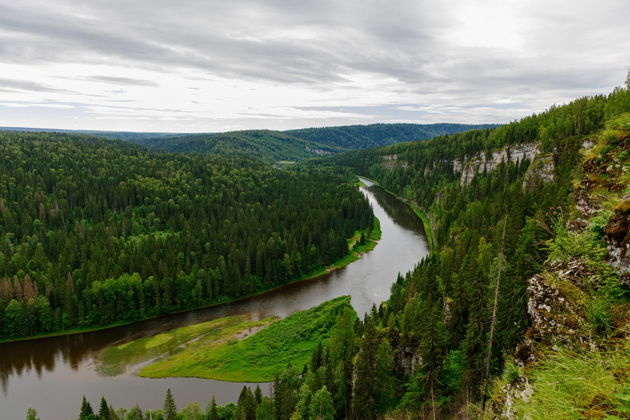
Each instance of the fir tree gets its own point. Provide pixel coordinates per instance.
(170, 409)
(86, 410)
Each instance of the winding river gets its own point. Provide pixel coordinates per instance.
(52, 374)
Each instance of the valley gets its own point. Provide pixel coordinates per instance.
(64, 365)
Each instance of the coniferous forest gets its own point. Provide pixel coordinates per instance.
(95, 232)
(450, 328)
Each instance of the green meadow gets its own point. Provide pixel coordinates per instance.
(257, 357)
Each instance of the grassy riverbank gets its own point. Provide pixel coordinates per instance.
(258, 357)
(116, 360)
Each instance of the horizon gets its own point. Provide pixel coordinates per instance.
(212, 67)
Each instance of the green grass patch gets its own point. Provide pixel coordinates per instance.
(259, 357)
(574, 385)
(117, 359)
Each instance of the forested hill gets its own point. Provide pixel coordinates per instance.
(517, 248)
(354, 137)
(96, 231)
(271, 146)
(276, 146)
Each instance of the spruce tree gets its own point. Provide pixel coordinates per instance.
(170, 409)
(211, 411)
(86, 410)
(103, 412)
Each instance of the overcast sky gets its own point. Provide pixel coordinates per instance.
(193, 66)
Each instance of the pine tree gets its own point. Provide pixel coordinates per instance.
(86, 410)
(211, 410)
(103, 412)
(364, 392)
(170, 409)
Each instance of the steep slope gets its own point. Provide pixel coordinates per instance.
(353, 137)
(491, 197)
(575, 357)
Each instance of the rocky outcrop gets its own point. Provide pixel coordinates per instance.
(617, 235)
(481, 162)
(392, 161)
(541, 170)
(319, 152)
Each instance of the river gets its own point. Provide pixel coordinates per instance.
(52, 374)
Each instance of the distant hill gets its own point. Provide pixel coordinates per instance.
(353, 137)
(275, 146)
(268, 145)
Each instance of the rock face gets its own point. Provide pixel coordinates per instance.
(483, 163)
(391, 161)
(617, 234)
(541, 170)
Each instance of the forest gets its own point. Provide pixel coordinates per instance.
(96, 232)
(450, 326)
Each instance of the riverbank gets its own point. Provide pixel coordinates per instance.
(422, 214)
(116, 360)
(372, 236)
(239, 354)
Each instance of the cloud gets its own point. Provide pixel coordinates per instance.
(277, 62)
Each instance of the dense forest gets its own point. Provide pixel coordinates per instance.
(354, 137)
(95, 231)
(450, 326)
(271, 146)
(278, 146)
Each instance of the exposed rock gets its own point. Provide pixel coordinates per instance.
(520, 389)
(541, 170)
(391, 161)
(617, 234)
(469, 167)
(410, 360)
(319, 152)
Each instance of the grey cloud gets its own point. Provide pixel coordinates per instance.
(123, 80)
(321, 44)
(12, 85)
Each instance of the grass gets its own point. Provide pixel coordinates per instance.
(116, 360)
(572, 385)
(259, 357)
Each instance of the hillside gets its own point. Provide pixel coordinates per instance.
(522, 308)
(271, 146)
(278, 146)
(95, 232)
(354, 137)
(498, 201)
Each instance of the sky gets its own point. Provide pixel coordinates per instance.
(208, 66)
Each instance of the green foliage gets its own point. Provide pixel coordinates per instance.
(86, 412)
(170, 409)
(375, 135)
(572, 385)
(210, 334)
(598, 314)
(96, 232)
(258, 357)
(321, 406)
(271, 146)
(31, 414)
